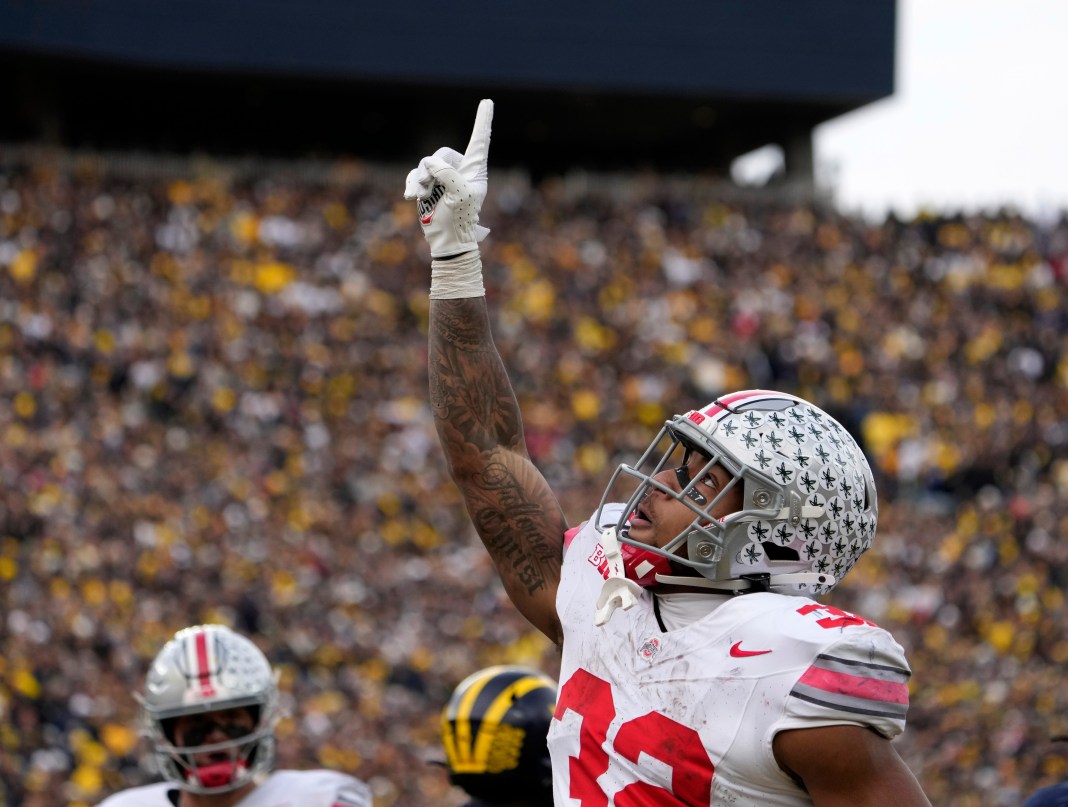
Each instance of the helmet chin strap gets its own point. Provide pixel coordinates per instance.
(741, 585)
(616, 591)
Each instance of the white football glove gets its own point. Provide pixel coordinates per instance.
(451, 187)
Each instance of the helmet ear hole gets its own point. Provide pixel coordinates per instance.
(776, 552)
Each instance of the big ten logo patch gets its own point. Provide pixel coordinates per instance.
(597, 558)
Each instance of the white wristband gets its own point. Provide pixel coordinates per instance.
(457, 278)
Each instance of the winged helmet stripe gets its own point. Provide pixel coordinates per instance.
(205, 663)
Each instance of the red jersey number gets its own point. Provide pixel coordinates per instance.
(837, 619)
(691, 769)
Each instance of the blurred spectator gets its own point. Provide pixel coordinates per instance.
(183, 440)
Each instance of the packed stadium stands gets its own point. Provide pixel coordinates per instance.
(213, 407)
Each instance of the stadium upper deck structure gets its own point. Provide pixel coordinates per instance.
(602, 84)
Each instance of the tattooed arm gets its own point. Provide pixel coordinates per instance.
(475, 410)
(515, 513)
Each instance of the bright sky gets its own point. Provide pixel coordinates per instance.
(979, 117)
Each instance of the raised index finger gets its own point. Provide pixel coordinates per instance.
(477, 154)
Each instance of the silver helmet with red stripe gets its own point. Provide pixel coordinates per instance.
(208, 673)
(808, 505)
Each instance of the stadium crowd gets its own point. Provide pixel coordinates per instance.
(213, 408)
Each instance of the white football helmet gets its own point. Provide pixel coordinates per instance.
(808, 510)
(208, 668)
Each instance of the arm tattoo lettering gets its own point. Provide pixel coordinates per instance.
(515, 528)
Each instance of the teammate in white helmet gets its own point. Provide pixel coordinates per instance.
(209, 708)
(698, 667)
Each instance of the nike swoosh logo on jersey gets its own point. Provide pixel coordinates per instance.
(737, 652)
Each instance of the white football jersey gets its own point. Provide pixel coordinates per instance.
(688, 716)
(316, 788)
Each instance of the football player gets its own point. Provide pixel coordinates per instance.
(493, 730)
(1052, 795)
(209, 709)
(698, 666)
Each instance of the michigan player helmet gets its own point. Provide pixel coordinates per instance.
(209, 668)
(808, 509)
(494, 731)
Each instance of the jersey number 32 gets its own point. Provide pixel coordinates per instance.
(691, 769)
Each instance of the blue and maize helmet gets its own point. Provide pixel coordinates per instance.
(493, 730)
